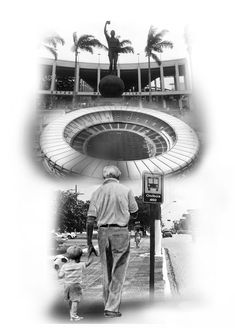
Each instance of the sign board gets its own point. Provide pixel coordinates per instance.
(152, 187)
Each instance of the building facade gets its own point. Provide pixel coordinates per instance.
(170, 81)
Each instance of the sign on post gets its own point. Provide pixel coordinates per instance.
(152, 187)
(153, 194)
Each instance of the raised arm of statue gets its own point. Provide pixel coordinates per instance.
(105, 30)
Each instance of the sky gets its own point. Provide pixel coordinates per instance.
(129, 20)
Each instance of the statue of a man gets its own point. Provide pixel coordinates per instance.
(113, 45)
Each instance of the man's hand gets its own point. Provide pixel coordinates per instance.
(133, 216)
(108, 22)
(91, 250)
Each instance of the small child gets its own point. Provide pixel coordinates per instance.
(137, 238)
(72, 274)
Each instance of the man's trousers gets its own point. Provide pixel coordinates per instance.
(114, 247)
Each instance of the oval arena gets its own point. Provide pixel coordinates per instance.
(135, 139)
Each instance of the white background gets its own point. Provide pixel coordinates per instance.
(28, 196)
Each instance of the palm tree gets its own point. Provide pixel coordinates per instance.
(50, 43)
(188, 42)
(155, 44)
(86, 43)
(124, 46)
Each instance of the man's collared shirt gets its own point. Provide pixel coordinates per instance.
(112, 203)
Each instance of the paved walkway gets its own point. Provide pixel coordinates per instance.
(135, 291)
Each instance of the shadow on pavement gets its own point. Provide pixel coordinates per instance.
(93, 311)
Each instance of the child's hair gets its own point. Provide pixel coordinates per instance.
(74, 252)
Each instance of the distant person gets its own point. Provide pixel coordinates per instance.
(72, 274)
(113, 46)
(137, 238)
(111, 205)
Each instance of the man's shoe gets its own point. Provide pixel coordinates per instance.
(75, 318)
(112, 314)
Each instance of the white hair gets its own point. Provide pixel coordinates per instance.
(111, 171)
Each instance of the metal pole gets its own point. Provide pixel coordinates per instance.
(155, 214)
(152, 250)
(98, 73)
(158, 233)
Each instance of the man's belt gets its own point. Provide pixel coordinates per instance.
(112, 225)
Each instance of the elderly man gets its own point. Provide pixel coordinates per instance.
(111, 206)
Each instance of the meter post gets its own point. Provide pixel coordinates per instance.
(155, 214)
(152, 249)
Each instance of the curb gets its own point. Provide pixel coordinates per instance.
(167, 286)
(170, 273)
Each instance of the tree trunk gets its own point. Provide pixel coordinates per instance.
(75, 80)
(53, 82)
(53, 76)
(149, 75)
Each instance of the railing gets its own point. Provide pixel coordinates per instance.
(132, 93)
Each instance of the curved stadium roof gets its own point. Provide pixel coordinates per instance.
(135, 139)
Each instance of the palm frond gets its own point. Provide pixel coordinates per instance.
(52, 50)
(151, 40)
(87, 48)
(96, 43)
(54, 40)
(155, 57)
(50, 41)
(147, 50)
(155, 42)
(167, 43)
(59, 40)
(86, 42)
(84, 39)
(152, 31)
(157, 48)
(126, 49)
(162, 33)
(161, 45)
(75, 38)
(124, 42)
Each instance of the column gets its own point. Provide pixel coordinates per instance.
(155, 85)
(162, 78)
(163, 102)
(180, 103)
(53, 76)
(177, 81)
(98, 78)
(190, 102)
(175, 84)
(118, 71)
(139, 79)
(78, 79)
(186, 77)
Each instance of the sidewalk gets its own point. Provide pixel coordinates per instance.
(135, 290)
